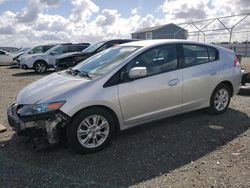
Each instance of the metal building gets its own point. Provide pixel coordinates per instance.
(168, 31)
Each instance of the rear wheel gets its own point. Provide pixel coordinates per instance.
(40, 67)
(220, 99)
(91, 130)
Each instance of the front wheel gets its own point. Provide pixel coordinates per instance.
(91, 130)
(40, 67)
(220, 99)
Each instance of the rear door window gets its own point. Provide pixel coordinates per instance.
(195, 54)
(60, 50)
(213, 55)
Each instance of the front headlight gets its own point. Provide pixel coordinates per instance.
(33, 109)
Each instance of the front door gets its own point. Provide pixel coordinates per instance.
(157, 95)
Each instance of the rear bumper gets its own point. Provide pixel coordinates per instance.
(245, 77)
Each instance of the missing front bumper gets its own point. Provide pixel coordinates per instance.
(47, 125)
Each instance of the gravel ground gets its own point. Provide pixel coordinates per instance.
(190, 150)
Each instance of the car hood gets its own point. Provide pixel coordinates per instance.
(48, 87)
(27, 56)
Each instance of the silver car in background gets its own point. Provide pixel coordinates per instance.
(125, 86)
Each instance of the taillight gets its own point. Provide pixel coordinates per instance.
(236, 61)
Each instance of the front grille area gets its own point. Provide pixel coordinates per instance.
(18, 107)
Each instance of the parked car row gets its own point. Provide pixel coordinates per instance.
(56, 56)
(70, 60)
(122, 87)
(31, 51)
(41, 62)
(39, 58)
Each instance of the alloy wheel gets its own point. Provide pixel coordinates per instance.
(221, 99)
(40, 67)
(93, 131)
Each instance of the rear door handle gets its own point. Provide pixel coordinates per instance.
(173, 82)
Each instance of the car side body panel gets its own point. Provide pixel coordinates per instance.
(153, 97)
(144, 100)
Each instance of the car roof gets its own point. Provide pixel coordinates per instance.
(122, 40)
(4, 51)
(148, 43)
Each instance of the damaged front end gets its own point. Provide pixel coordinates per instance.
(41, 122)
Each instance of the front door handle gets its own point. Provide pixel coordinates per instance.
(173, 82)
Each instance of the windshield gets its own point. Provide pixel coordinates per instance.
(105, 61)
(93, 47)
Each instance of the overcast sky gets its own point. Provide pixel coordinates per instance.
(33, 22)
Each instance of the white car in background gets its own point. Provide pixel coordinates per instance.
(41, 62)
(6, 58)
(30, 52)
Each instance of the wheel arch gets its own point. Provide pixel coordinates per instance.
(229, 85)
(108, 109)
(39, 60)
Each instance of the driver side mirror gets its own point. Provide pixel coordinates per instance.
(137, 72)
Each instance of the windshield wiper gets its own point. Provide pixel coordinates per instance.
(84, 74)
(75, 72)
(69, 70)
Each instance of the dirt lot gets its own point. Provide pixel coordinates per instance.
(190, 150)
(245, 63)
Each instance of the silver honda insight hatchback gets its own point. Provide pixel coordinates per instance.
(125, 86)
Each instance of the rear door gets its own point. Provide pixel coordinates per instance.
(200, 74)
(157, 95)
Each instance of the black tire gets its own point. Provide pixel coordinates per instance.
(212, 108)
(72, 130)
(40, 67)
